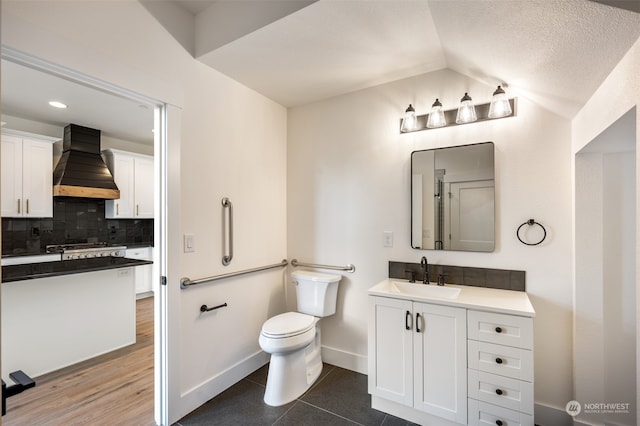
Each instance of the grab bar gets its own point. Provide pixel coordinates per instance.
(187, 282)
(226, 204)
(349, 268)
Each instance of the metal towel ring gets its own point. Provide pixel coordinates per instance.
(531, 222)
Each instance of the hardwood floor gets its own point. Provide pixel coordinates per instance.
(114, 388)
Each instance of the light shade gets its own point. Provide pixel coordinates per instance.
(499, 104)
(466, 110)
(409, 120)
(436, 116)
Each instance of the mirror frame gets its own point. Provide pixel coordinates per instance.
(483, 243)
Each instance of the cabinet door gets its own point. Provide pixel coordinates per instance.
(143, 274)
(11, 176)
(122, 168)
(37, 178)
(390, 349)
(143, 188)
(440, 361)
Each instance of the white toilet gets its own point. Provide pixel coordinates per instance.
(293, 338)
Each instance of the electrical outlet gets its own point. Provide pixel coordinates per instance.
(189, 243)
(387, 239)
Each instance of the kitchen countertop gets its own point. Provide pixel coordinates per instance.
(480, 298)
(51, 269)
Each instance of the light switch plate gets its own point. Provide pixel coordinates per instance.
(189, 243)
(387, 238)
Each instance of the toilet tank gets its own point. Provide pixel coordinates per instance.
(316, 292)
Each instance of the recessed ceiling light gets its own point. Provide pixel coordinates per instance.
(57, 104)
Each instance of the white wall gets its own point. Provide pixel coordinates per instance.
(618, 97)
(349, 176)
(225, 140)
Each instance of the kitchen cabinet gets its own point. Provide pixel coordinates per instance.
(133, 174)
(418, 357)
(51, 323)
(27, 175)
(144, 273)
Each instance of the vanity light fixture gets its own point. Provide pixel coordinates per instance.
(466, 113)
(57, 104)
(409, 120)
(499, 104)
(466, 110)
(436, 116)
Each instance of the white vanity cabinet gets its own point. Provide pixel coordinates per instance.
(27, 175)
(417, 356)
(500, 376)
(445, 357)
(133, 174)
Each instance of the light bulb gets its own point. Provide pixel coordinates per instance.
(436, 116)
(466, 111)
(409, 120)
(500, 106)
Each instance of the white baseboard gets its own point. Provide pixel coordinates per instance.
(344, 359)
(195, 397)
(552, 416)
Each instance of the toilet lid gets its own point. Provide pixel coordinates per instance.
(287, 324)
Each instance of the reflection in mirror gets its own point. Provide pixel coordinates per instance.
(453, 198)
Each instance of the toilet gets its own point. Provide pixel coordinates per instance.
(293, 338)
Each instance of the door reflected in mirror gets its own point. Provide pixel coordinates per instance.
(453, 198)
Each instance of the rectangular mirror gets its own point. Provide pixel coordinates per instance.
(453, 198)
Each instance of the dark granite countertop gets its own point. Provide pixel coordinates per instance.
(52, 269)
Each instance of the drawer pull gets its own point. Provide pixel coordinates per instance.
(499, 361)
(499, 391)
(406, 320)
(499, 422)
(418, 323)
(498, 329)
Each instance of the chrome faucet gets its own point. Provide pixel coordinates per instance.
(424, 264)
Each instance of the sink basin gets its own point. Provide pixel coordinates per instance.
(423, 290)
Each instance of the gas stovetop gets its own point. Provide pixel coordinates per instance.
(86, 250)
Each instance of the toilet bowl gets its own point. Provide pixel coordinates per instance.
(293, 338)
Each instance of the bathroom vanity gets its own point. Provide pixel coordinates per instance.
(451, 354)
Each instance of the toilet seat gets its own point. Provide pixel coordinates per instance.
(287, 325)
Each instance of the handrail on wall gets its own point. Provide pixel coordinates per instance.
(349, 268)
(226, 204)
(187, 282)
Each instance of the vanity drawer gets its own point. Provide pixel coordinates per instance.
(502, 329)
(481, 413)
(502, 391)
(499, 359)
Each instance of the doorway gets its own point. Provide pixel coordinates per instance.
(605, 273)
(157, 112)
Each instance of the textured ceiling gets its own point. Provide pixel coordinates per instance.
(554, 52)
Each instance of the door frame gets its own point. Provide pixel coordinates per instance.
(164, 113)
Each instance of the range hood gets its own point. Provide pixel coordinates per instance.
(81, 171)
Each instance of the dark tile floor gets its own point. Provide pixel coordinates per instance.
(339, 397)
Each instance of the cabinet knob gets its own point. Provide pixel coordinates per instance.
(499, 422)
(498, 329)
(499, 361)
(499, 391)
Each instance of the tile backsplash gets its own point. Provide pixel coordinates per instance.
(505, 279)
(75, 220)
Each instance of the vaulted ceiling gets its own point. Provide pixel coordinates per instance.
(554, 52)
